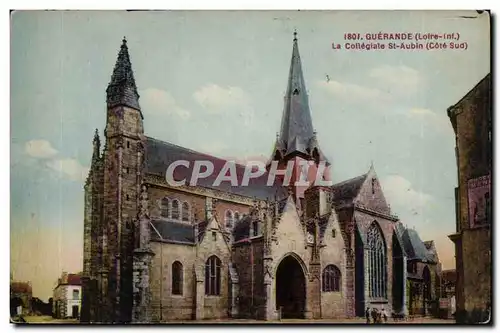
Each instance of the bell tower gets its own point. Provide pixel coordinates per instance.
(123, 156)
(296, 143)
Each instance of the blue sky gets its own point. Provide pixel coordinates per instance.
(214, 81)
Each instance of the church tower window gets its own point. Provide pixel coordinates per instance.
(177, 278)
(165, 208)
(175, 209)
(185, 212)
(212, 276)
(377, 262)
(331, 278)
(229, 219)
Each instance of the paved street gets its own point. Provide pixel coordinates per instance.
(320, 321)
(50, 320)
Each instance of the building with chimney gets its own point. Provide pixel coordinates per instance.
(67, 296)
(471, 118)
(154, 252)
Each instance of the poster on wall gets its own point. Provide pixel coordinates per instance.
(479, 201)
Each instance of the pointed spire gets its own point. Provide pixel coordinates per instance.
(296, 123)
(122, 89)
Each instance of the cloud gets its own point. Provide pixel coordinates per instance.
(352, 92)
(401, 193)
(160, 102)
(69, 168)
(217, 99)
(388, 84)
(397, 79)
(438, 120)
(40, 149)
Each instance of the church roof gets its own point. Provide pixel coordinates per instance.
(160, 154)
(296, 124)
(172, 231)
(414, 248)
(122, 90)
(345, 192)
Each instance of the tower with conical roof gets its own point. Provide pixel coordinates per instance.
(297, 140)
(123, 156)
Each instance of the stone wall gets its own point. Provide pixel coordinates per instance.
(472, 122)
(164, 305)
(333, 304)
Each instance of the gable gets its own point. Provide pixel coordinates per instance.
(290, 230)
(215, 240)
(371, 195)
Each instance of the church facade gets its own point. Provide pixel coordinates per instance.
(157, 253)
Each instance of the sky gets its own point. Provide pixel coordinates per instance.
(215, 82)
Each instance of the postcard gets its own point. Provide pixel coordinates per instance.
(251, 167)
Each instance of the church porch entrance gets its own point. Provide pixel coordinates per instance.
(290, 288)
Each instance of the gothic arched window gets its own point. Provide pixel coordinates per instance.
(175, 209)
(229, 219)
(212, 276)
(331, 278)
(185, 212)
(165, 208)
(377, 262)
(177, 278)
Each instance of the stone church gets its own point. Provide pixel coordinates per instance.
(158, 253)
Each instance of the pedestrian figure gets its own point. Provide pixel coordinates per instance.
(384, 315)
(367, 314)
(374, 315)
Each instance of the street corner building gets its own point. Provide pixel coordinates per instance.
(157, 253)
(471, 118)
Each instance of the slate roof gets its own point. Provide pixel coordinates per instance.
(122, 89)
(172, 231)
(414, 247)
(345, 192)
(160, 154)
(296, 123)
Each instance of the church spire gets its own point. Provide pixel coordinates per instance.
(122, 89)
(296, 123)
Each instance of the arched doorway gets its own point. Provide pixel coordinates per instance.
(290, 288)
